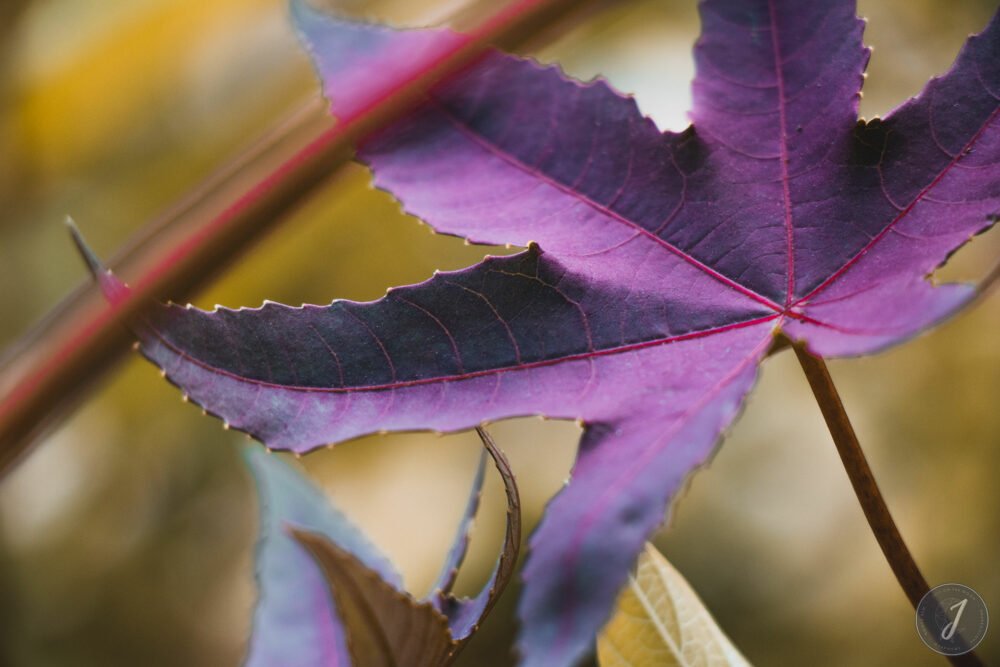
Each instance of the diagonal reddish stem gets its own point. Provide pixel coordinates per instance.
(75, 345)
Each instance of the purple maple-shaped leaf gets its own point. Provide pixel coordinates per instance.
(665, 264)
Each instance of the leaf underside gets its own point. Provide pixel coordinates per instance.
(664, 265)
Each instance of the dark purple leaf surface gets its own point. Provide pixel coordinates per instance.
(665, 264)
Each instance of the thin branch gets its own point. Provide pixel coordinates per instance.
(54, 367)
(865, 488)
(860, 474)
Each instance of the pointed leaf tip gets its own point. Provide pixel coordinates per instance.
(113, 289)
(94, 263)
(464, 614)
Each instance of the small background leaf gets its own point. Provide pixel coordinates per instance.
(381, 624)
(384, 627)
(294, 621)
(659, 620)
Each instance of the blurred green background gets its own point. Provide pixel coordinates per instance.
(126, 536)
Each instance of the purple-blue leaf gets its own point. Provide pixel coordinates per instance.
(665, 264)
(311, 561)
(295, 621)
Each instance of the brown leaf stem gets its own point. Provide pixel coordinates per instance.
(58, 360)
(872, 503)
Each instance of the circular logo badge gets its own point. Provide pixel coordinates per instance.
(952, 619)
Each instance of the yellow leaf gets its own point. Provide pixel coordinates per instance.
(660, 621)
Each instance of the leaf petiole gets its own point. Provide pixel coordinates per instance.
(865, 487)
